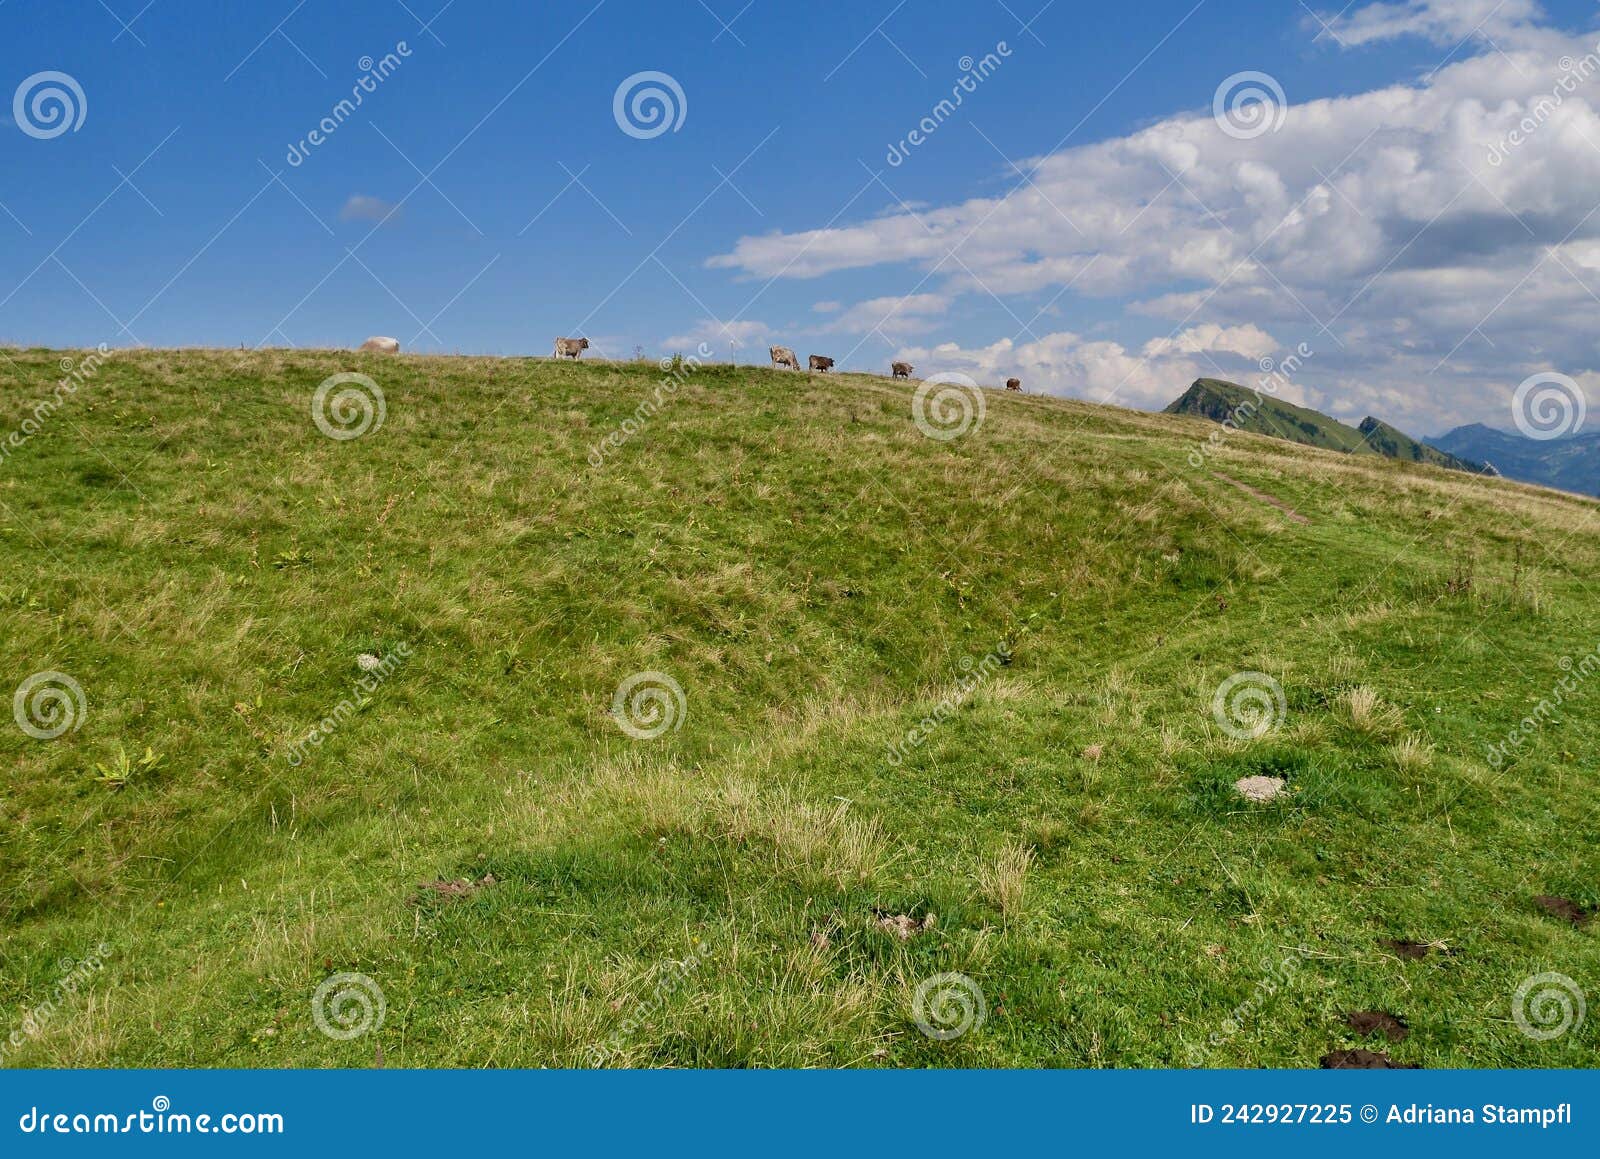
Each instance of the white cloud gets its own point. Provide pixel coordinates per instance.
(1435, 242)
(1447, 22)
(1065, 363)
(718, 334)
(1247, 341)
(361, 207)
(829, 307)
(891, 316)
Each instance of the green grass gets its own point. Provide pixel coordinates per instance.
(819, 578)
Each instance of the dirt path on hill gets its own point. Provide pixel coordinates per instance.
(1265, 498)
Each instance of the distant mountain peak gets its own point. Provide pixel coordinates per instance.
(1249, 410)
(1571, 463)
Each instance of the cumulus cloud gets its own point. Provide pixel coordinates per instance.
(1248, 341)
(1447, 22)
(1434, 241)
(891, 316)
(717, 334)
(1102, 370)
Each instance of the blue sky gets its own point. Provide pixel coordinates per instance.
(1036, 231)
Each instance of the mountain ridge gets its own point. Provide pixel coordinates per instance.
(1570, 463)
(1245, 409)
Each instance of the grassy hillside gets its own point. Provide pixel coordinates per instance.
(1396, 444)
(966, 684)
(1246, 410)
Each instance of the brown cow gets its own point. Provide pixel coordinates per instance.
(571, 347)
(783, 356)
(1013, 384)
(902, 369)
(822, 363)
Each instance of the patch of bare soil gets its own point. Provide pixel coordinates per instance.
(1565, 909)
(1363, 1060)
(1411, 951)
(443, 890)
(1368, 1022)
(1271, 500)
(1261, 788)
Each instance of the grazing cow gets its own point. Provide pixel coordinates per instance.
(822, 363)
(381, 346)
(571, 347)
(1013, 384)
(902, 369)
(783, 356)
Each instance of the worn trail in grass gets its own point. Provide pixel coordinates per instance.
(1058, 590)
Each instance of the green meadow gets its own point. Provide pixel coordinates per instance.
(894, 707)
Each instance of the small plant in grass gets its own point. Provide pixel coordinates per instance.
(1412, 754)
(1004, 881)
(122, 769)
(1367, 712)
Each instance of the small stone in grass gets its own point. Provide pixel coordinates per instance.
(367, 662)
(1260, 788)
